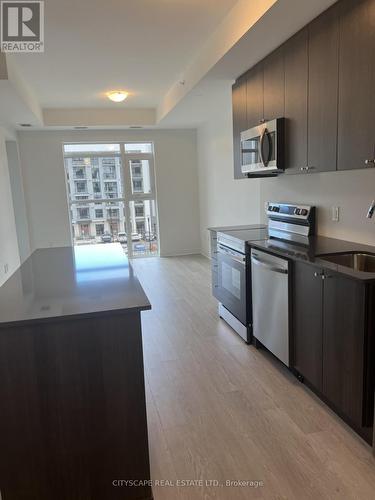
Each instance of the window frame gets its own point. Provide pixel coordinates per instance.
(125, 178)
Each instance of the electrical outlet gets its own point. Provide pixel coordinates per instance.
(335, 214)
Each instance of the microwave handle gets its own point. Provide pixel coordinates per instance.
(261, 145)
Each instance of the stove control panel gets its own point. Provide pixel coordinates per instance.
(290, 218)
(289, 211)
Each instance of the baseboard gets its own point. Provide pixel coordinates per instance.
(181, 254)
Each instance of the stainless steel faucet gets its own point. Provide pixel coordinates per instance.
(371, 210)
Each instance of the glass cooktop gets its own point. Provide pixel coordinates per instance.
(256, 234)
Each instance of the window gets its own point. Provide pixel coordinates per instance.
(137, 186)
(80, 186)
(140, 227)
(136, 171)
(145, 225)
(109, 171)
(84, 230)
(83, 213)
(141, 176)
(139, 210)
(111, 189)
(113, 213)
(79, 172)
(99, 228)
(144, 147)
(90, 148)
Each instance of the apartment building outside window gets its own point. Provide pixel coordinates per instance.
(83, 213)
(80, 186)
(79, 172)
(111, 193)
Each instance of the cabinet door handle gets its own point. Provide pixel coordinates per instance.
(318, 275)
(371, 163)
(306, 169)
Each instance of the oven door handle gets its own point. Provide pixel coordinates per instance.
(261, 263)
(239, 259)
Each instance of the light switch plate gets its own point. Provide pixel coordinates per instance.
(335, 214)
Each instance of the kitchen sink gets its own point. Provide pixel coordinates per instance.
(359, 261)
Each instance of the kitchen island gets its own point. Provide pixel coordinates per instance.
(73, 413)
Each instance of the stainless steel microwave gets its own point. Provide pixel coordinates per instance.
(262, 148)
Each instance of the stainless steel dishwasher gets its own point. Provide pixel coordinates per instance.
(270, 294)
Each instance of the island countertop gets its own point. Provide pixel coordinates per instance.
(69, 282)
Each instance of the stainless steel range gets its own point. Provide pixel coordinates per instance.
(233, 291)
(286, 222)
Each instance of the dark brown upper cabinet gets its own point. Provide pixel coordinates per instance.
(322, 81)
(296, 76)
(273, 85)
(254, 96)
(322, 92)
(239, 122)
(356, 137)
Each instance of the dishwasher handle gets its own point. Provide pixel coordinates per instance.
(266, 265)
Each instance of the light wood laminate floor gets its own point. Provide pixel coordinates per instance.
(221, 410)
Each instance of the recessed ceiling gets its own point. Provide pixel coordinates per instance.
(94, 46)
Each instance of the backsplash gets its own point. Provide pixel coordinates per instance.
(352, 191)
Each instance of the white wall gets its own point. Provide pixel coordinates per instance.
(223, 200)
(9, 255)
(176, 182)
(19, 206)
(352, 191)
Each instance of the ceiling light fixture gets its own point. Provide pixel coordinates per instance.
(117, 95)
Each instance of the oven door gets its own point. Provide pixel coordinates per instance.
(261, 148)
(231, 285)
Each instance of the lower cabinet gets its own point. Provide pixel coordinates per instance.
(332, 334)
(307, 318)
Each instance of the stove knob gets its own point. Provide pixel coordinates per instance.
(304, 211)
(297, 211)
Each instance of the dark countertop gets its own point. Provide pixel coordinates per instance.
(68, 282)
(318, 245)
(236, 228)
